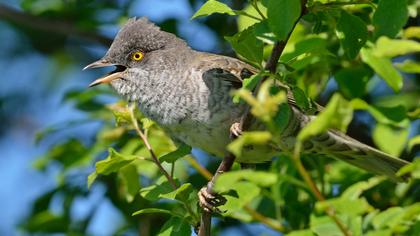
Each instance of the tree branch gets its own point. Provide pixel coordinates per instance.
(50, 25)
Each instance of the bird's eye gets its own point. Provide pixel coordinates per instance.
(137, 56)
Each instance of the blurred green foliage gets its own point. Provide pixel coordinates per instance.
(347, 42)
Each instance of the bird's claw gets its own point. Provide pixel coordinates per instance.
(236, 129)
(210, 201)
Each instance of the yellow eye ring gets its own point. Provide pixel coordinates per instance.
(137, 56)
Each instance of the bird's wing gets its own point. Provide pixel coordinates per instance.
(234, 71)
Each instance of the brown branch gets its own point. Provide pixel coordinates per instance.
(225, 165)
(49, 25)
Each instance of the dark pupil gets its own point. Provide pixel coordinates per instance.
(137, 56)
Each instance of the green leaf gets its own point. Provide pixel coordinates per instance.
(151, 211)
(336, 115)
(412, 32)
(248, 138)
(352, 81)
(356, 190)
(301, 99)
(155, 191)
(171, 157)
(352, 33)
(282, 16)
(251, 82)
(114, 162)
(312, 45)
(305, 232)
(246, 44)
(244, 193)
(390, 17)
(47, 221)
(121, 113)
(213, 6)
(386, 47)
(175, 226)
(413, 168)
(181, 194)
(384, 68)
(246, 21)
(129, 181)
(409, 66)
(387, 217)
(324, 226)
(228, 180)
(413, 142)
(390, 139)
(351, 207)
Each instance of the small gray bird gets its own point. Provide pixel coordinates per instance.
(187, 93)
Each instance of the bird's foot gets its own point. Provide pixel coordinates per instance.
(210, 201)
(236, 129)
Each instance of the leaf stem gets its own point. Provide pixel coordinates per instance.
(247, 14)
(255, 5)
(143, 137)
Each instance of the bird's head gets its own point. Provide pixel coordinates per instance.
(131, 52)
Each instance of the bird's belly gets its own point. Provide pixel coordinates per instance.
(213, 136)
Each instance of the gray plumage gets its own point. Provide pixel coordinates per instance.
(188, 94)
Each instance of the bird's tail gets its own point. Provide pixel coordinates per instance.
(343, 147)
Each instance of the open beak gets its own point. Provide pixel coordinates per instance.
(115, 74)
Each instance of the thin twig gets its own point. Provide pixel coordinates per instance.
(50, 25)
(314, 189)
(149, 147)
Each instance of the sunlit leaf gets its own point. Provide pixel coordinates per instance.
(336, 115)
(384, 68)
(246, 44)
(412, 32)
(246, 21)
(390, 139)
(154, 191)
(248, 138)
(171, 157)
(413, 142)
(114, 162)
(211, 7)
(175, 226)
(181, 194)
(129, 181)
(409, 66)
(228, 180)
(152, 211)
(386, 47)
(244, 193)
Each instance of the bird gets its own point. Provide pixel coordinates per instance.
(188, 94)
